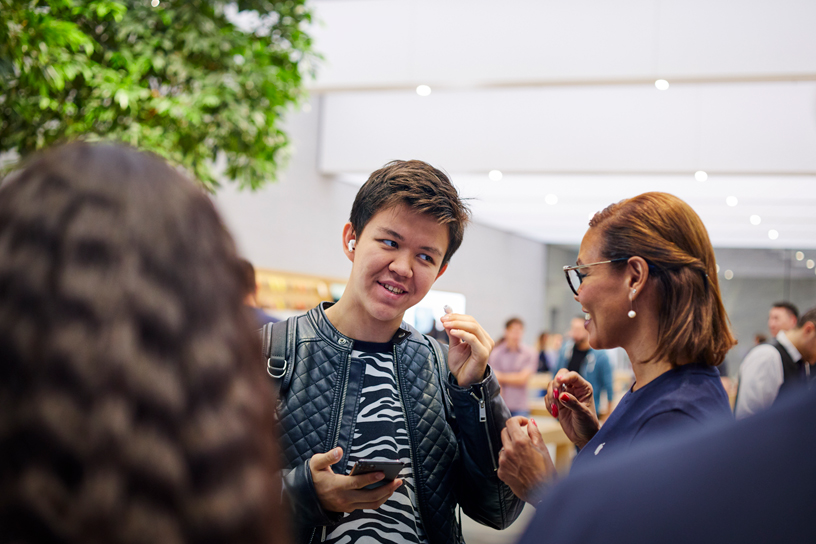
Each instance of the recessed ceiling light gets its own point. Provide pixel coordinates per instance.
(799, 255)
(773, 234)
(755, 220)
(154, 3)
(699, 175)
(551, 199)
(732, 201)
(661, 84)
(423, 90)
(810, 263)
(494, 175)
(729, 274)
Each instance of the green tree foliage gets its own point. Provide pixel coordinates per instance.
(172, 76)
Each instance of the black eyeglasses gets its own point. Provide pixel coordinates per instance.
(574, 277)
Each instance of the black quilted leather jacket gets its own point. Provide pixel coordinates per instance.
(454, 432)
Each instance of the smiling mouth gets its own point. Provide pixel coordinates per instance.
(392, 289)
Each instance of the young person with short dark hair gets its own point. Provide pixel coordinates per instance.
(782, 316)
(357, 383)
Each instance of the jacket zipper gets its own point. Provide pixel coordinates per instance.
(483, 419)
(337, 431)
(414, 466)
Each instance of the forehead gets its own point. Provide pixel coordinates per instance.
(590, 251)
(410, 223)
(780, 312)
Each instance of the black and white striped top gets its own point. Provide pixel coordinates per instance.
(380, 434)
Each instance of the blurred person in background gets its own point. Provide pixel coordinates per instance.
(133, 409)
(593, 365)
(514, 363)
(782, 316)
(646, 279)
(547, 346)
(251, 295)
(771, 370)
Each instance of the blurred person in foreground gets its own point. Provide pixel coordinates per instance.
(749, 482)
(593, 365)
(251, 295)
(514, 363)
(646, 279)
(357, 382)
(132, 407)
(783, 316)
(771, 370)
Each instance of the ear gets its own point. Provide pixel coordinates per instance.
(441, 271)
(348, 234)
(637, 274)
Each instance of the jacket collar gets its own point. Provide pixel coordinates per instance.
(329, 332)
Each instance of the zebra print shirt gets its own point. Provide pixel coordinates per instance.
(380, 434)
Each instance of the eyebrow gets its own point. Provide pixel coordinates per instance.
(398, 236)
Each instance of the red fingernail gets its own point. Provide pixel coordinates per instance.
(554, 410)
(534, 422)
(564, 397)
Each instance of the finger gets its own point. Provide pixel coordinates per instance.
(322, 461)
(361, 480)
(469, 324)
(535, 434)
(477, 348)
(570, 379)
(570, 402)
(505, 438)
(514, 429)
(371, 499)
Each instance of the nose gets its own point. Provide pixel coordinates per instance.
(401, 265)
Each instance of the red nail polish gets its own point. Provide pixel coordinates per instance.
(534, 422)
(564, 397)
(554, 410)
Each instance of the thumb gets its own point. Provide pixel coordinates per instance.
(535, 434)
(322, 461)
(572, 403)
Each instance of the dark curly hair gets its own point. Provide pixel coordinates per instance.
(133, 407)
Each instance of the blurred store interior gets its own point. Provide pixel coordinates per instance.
(544, 113)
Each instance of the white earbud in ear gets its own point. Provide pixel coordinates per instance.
(351, 244)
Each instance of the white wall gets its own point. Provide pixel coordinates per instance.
(295, 225)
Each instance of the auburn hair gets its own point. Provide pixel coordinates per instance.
(134, 405)
(662, 229)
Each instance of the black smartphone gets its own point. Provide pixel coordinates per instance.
(390, 468)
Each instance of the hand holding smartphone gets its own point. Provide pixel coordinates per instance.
(391, 469)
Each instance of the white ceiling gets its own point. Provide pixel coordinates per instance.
(560, 97)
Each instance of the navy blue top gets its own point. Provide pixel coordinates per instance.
(686, 396)
(752, 480)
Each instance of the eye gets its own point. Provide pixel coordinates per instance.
(390, 243)
(580, 275)
(427, 258)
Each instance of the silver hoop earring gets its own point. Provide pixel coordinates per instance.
(632, 314)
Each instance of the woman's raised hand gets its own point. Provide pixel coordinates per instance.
(569, 398)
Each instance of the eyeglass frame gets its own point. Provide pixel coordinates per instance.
(568, 269)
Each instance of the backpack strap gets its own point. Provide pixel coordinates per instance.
(441, 362)
(278, 343)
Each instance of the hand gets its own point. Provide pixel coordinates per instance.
(524, 461)
(339, 493)
(574, 407)
(469, 348)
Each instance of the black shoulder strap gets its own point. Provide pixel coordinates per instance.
(790, 370)
(278, 340)
(442, 376)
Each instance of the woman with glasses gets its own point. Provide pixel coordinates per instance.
(646, 280)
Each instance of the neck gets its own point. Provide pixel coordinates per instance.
(583, 345)
(640, 348)
(512, 346)
(356, 323)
